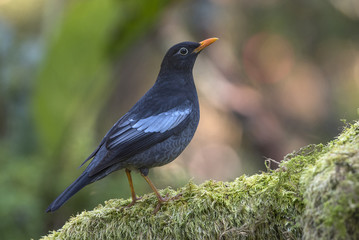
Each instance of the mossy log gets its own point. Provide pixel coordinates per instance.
(314, 194)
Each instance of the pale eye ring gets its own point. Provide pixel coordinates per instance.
(183, 51)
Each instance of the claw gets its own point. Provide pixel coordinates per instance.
(162, 200)
(157, 208)
(133, 202)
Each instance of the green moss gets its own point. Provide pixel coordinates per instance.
(332, 190)
(314, 194)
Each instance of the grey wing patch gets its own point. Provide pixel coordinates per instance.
(162, 122)
(132, 131)
(129, 136)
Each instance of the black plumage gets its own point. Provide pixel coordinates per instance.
(154, 131)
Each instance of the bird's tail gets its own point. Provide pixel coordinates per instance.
(76, 186)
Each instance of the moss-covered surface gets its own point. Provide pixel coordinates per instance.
(313, 195)
(331, 190)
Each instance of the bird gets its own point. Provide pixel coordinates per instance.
(154, 131)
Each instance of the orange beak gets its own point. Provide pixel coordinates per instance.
(204, 44)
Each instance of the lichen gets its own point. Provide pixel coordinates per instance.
(312, 195)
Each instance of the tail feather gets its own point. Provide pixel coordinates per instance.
(76, 186)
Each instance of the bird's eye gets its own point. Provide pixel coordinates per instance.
(183, 51)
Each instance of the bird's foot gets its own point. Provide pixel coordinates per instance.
(162, 200)
(132, 202)
(178, 196)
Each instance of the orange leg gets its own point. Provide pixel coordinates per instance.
(133, 194)
(161, 199)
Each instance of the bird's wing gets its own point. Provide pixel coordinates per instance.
(130, 136)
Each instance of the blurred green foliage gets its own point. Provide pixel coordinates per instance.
(75, 72)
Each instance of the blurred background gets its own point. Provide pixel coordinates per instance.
(282, 75)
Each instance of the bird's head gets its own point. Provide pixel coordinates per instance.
(182, 56)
